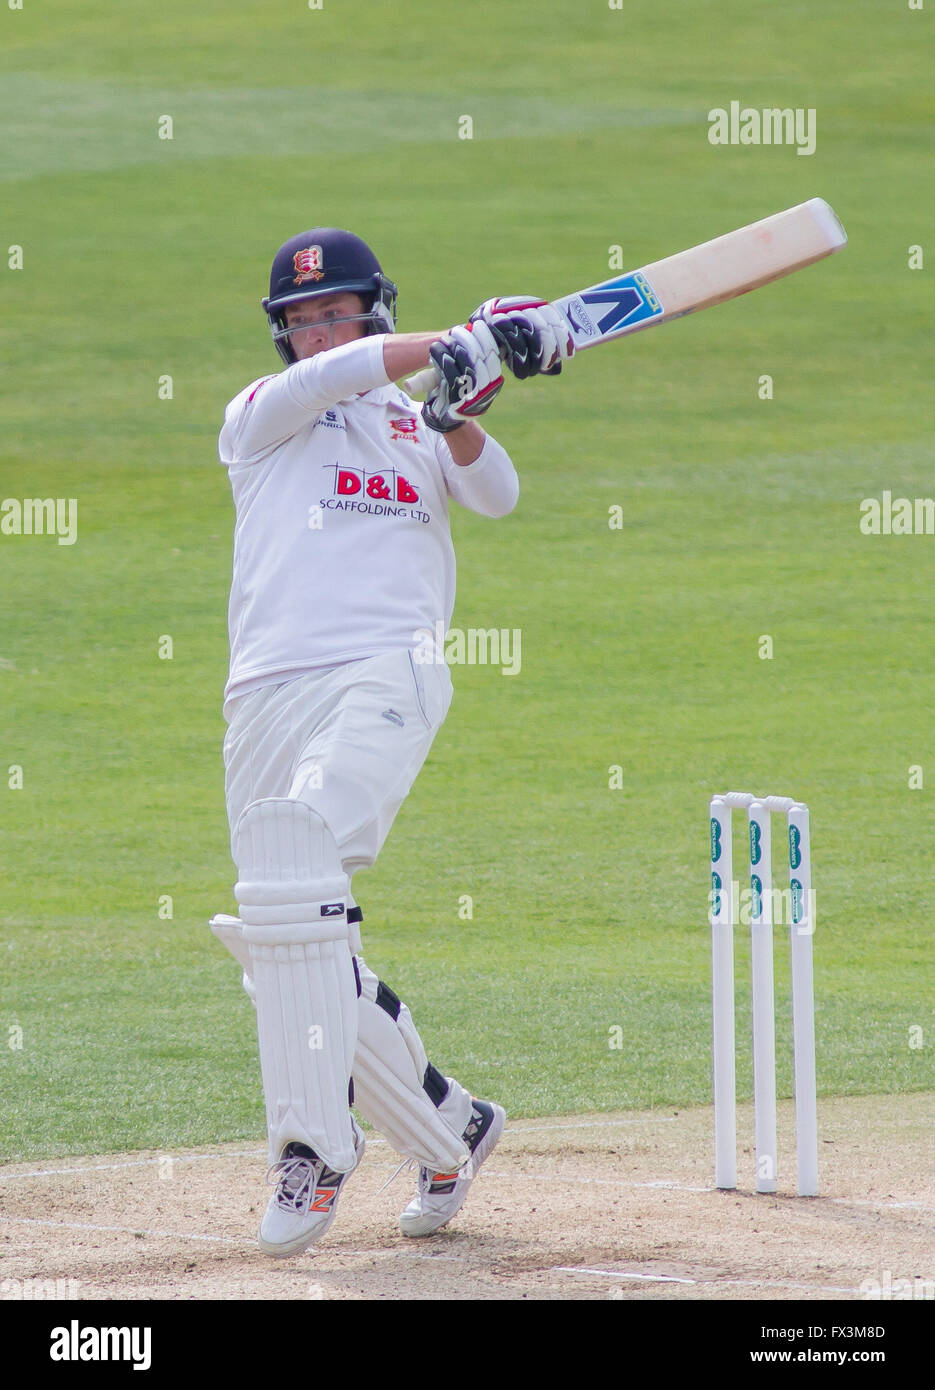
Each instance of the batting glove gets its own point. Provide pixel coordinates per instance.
(468, 361)
(531, 334)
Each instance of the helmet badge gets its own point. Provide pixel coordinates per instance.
(308, 263)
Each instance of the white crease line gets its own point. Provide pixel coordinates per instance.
(597, 1182)
(249, 1246)
(374, 1142)
(660, 1183)
(613, 1274)
(120, 1230)
(590, 1124)
(131, 1163)
(707, 1283)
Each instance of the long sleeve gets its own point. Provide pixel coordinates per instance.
(489, 485)
(342, 541)
(272, 410)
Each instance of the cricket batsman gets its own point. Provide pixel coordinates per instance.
(343, 562)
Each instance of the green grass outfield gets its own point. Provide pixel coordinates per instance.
(145, 257)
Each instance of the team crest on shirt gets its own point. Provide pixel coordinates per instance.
(308, 265)
(405, 428)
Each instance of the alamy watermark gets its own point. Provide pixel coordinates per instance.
(40, 516)
(476, 646)
(77, 1343)
(39, 1290)
(886, 1288)
(745, 125)
(899, 516)
(783, 906)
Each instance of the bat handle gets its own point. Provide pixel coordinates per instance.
(422, 383)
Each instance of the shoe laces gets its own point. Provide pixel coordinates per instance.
(427, 1175)
(296, 1181)
(407, 1164)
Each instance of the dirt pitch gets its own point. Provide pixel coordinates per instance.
(589, 1207)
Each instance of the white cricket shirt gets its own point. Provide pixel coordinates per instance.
(342, 545)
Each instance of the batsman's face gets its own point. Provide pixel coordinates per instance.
(322, 323)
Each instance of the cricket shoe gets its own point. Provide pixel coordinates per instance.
(441, 1195)
(305, 1202)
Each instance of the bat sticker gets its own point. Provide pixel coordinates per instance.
(625, 301)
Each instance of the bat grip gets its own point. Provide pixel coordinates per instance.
(422, 383)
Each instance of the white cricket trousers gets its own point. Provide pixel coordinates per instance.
(349, 741)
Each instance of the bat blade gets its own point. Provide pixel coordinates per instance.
(698, 278)
(705, 275)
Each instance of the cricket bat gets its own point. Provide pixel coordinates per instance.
(705, 275)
